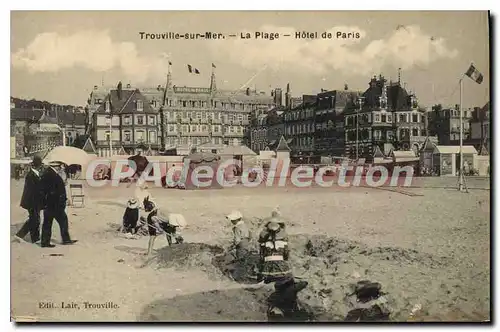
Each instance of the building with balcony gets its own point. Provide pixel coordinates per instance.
(329, 121)
(190, 116)
(445, 124)
(299, 126)
(124, 120)
(266, 129)
(385, 115)
(480, 135)
(194, 115)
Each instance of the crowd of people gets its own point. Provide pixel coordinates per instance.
(45, 190)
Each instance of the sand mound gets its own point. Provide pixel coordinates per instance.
(216, 305)
(331, 266)
(188, 256)
(408, 277)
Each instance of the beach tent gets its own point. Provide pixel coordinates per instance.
(242, 153)
(197, 160)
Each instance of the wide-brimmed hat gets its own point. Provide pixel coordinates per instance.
(132, 203)
(55, 163)
(234, 215)
(273, 226)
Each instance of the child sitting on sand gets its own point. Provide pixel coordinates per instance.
(131, 217)
(158, 223)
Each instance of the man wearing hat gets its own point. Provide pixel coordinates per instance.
(54, 190)
(274, 252)
(32, 201)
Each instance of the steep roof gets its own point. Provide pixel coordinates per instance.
(483, 150)
(89, 146)
(242, 150)
(25, 114)
(377, 153)
(428, 144)
(122, 151)
(397, 97)
(125, 102)
(282, 145)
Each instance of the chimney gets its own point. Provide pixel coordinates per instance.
(248, 92)
(119, 90)
(346, 87)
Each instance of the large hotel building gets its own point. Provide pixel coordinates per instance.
(169, 116)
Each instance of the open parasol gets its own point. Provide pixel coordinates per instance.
(68, 155)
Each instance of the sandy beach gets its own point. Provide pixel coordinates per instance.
(426, 246)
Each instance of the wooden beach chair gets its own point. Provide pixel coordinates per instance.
(77, 195)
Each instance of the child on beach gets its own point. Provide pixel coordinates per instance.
(131, 217)
(158, 223)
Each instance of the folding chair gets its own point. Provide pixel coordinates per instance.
(77, 195)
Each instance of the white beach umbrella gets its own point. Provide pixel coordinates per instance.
(68, 155)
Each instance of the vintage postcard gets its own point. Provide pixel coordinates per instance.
(235, 166)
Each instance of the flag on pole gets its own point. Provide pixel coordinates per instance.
(213, 65)
(474, 74)
(193, 70)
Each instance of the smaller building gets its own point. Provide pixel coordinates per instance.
(446, 158)
(480, 129)
(35, 132)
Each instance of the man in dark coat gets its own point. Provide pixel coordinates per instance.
(54, 190)
(32, 201)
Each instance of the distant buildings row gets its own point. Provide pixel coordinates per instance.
(125, 119)
(345, 123)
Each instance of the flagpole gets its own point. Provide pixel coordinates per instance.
(460, 172)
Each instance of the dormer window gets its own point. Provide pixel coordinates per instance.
(414, 102)
(107, 106)
(140, 106)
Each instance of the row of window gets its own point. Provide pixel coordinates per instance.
(205, 128)
(303, 128)
(303, 141)
(378, 134)
(200, 115)
(140, 136)
(214, 104)
(127, 120)
(329, 125)
(200, 140)
(350, 120)
(139, 106)
(297, 115)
